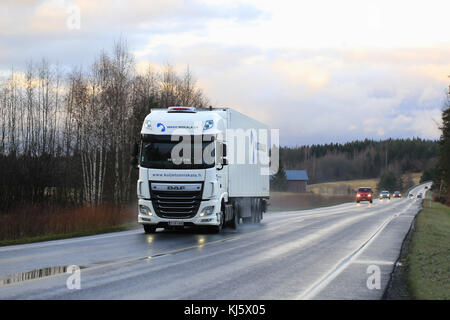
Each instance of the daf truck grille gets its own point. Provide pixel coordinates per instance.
(176, 204)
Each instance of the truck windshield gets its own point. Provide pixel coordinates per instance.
(185, 152)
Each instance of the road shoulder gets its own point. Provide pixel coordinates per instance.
(423, 271)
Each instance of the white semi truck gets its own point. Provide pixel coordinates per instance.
(201, 167)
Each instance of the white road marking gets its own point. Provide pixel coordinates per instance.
(376, 262)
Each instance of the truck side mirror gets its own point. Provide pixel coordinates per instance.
(135, 150)
(134, 155)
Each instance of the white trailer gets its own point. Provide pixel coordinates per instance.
(201, 167)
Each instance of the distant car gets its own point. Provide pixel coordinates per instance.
(364, 194)
(426, 187)
(385, 195)
(411, 195)
(419, 196)
(397, 194)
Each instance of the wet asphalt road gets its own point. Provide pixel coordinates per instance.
(325, 253)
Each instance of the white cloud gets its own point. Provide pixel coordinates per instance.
(426, 123)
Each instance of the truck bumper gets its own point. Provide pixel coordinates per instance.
(152, 219)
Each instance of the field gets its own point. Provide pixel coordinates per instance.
(324, 194)
(349, 187)
(290, 201)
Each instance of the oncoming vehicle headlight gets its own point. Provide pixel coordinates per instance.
(145, 210)
(207, 211)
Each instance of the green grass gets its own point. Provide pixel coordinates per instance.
(428, 256)
(123, 227)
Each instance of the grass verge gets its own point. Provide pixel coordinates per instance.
(424, 272)
(429, 253)
(33, 223)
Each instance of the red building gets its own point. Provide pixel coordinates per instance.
(297, 180)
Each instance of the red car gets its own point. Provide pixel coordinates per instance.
(364, 194)
(397, 194)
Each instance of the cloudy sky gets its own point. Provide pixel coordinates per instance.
(320, 71)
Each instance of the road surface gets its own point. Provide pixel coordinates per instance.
(341, 252)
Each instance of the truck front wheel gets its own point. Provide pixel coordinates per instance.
(217, 229)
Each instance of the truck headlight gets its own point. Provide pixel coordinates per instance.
(207, 211)
(145, 210)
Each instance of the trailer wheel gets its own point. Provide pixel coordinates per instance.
(236, 216)
(260, 211)
(260, 215)
(256, 211)
(148, 228)
(235, 221)
(247, 220)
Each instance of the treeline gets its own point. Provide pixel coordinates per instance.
(361, 159)
(65, 136)
(441, 173)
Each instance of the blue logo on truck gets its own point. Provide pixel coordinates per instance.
(163, 127)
